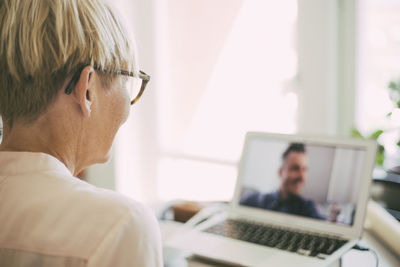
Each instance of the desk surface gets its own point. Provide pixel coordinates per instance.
(175, 258)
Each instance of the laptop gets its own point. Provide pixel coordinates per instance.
(298, 201)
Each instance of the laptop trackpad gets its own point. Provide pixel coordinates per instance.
(226, 250)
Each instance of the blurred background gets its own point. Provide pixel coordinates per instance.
(222, 68)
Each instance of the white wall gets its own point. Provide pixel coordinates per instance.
(320, 161)
(262, 165)
(102, 175)
(346, 176)
(327, 70)
(136, 145)
(318, 66)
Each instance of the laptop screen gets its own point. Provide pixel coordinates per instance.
(317, 181)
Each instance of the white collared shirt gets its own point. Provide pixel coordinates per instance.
(50, 218)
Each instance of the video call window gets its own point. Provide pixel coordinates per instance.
(320, 182)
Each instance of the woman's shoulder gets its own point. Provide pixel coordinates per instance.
(68, 216)
(99, 201)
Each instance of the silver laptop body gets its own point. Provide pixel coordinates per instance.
(336, 191)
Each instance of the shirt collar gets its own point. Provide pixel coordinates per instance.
(12, 162)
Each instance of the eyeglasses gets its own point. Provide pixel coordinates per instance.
(135, 85)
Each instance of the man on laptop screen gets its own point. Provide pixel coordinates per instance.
(293, 175)
(308, 180)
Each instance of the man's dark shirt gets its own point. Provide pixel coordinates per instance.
(293, 205)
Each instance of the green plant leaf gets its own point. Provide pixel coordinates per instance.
(380, 159)
(381, 148)
(356, 133)
(375, 135)
(380, 155)
(398, 143)
(389, 114)
(392, 85)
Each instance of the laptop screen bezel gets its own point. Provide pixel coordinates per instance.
(299, 222)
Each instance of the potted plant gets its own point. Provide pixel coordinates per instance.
(394, 94)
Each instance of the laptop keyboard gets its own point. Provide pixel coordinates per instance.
(307, 244)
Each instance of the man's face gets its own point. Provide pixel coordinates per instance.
(293, 173)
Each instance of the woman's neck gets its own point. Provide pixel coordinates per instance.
(40, 137)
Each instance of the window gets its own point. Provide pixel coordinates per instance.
(230, 70)
(220, 69)
(378, 64)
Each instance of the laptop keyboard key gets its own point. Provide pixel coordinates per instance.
(322, 256)
(307, 244)
(304, 252)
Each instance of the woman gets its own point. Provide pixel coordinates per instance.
(67, 73)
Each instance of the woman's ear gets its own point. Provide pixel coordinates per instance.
(84, 92)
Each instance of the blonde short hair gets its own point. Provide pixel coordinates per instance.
(42, 44)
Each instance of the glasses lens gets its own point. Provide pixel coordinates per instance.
(133, 86)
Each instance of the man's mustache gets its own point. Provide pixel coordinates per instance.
(296, 180)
